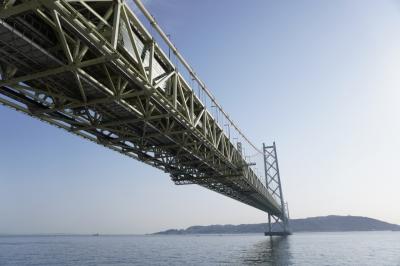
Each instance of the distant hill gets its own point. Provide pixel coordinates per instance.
(331, 223)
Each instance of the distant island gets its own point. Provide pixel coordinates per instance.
(331, 223)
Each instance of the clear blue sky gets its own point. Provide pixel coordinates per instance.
(319, 77)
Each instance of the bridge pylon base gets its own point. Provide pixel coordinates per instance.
(277, 233)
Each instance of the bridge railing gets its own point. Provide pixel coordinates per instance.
(250, 152)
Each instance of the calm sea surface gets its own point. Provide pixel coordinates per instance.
(355, 248)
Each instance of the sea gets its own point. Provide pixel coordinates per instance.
(348, 248)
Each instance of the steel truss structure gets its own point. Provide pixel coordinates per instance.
(91, 68)
(280, 224)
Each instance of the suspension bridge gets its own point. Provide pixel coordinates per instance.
(92, 68)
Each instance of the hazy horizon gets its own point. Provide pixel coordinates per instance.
(184, 228)
(320, 78)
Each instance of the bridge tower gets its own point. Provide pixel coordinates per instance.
(277, 225)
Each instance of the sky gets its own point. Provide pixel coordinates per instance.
(318, 77)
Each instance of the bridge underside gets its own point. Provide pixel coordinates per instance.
(91, 68)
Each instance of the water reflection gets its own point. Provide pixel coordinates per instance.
(271, 251)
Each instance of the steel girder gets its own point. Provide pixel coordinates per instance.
(92, 68)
